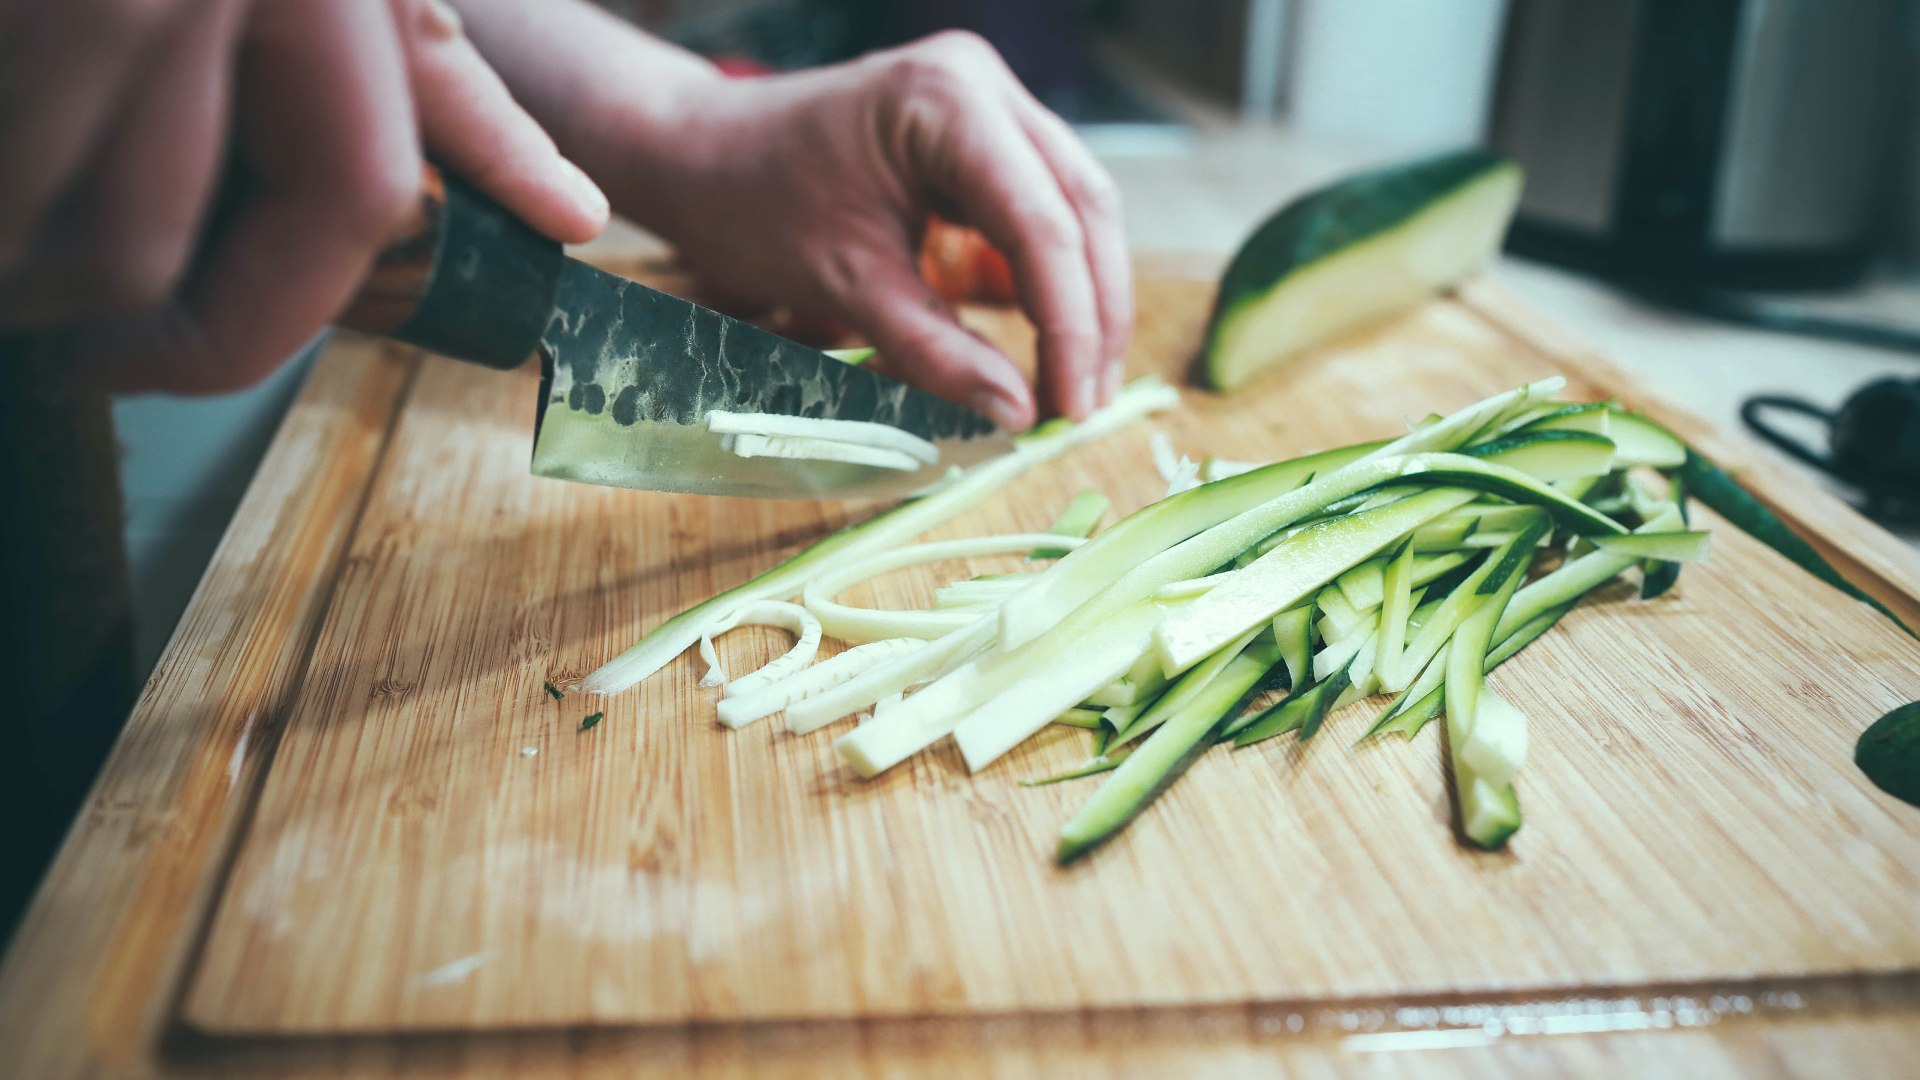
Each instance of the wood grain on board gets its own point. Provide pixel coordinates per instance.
(1692, 817)
(438, 845)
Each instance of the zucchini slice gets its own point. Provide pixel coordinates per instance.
(1356, 252)
(1078, 520)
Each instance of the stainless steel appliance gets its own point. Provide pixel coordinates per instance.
(1715, 142)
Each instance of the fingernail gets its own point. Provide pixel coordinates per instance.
(1004, 413)
(591, 198)
(1116, 375)
(1083, 402)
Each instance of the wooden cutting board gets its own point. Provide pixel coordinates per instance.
(437, 845)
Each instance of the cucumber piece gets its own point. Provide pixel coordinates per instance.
(1151, 530)
(1287, 574)
(1340, 653)
(1416, 664)
(1190, 686)
(1088, 719)
(1590, 416)
(1159, 760)
(1640, 441)
(1094, 766)
(1656, 578)
(1395, 609)
(1338, 615)
(1712, 485)
(1355, 252)
(1303, 711)
(1078, 520)
(1407, 718)
(1671, 547)
(1889, 753)
(1128, 689)
(1364, 585)
(1489, 810)
(1444, 535)
(852, 357)
(879, 533)
(1293, 634)
(1553, 456)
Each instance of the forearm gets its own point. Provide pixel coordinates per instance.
(617, 100)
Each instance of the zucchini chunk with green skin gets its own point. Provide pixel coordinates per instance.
(1889, 753)
(1356, 252)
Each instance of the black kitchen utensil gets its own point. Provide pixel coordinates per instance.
(1873, 441)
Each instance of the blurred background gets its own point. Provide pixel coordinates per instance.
(1723, 194)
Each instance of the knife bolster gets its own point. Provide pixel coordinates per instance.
(465, 279)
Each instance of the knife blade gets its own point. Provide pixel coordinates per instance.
(629, 374)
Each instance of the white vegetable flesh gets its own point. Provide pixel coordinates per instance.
(809, 449)
(874, 624)
(790, 617)
(818, 429)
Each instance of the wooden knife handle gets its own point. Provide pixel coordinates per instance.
(464, 278)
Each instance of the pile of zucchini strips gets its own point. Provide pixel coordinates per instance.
(1410, 567)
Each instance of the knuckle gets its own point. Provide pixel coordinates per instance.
(1052, 234)
(1097, 194)
(950, 62)
(960, 48)
(376, 197)
(138, 277)
(429, 20)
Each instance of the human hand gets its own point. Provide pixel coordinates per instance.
(812, 189)
(118, 119)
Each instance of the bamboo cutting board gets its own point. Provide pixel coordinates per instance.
(437, 846)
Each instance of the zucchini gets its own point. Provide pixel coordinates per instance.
(1711, 485)
(1085, 719)
(1356, 252)
(1590, 416)
(1889, 753)
(1158, 761)
(852, 357)
(1486, 736)
(879, 533)
(1303, 711)
(1094, 766)
(1193, 683)
(1407, 719)
(1671, 547)
(1078, 520)
(1640, 441)
(1552, 456)
(1288, 574)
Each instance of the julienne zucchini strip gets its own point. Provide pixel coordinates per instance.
(1405, 566)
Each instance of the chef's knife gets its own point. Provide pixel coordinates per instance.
(629, 374)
